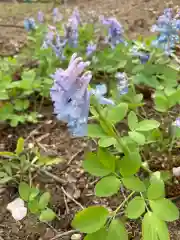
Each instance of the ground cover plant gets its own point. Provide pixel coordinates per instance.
(101, 84)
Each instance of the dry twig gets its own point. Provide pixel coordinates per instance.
(56, 178)
(74, 156)
(71, 198)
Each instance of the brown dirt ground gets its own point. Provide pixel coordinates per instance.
(137, 17)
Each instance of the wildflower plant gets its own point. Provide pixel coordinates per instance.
(101, 82)
(18, 168)
(117, 163)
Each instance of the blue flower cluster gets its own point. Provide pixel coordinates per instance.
(115, 31)
(71, 96)
(122, 83)
(168, 28)
(91, 48)
(29, 24)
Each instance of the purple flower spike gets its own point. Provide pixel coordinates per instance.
(57, 16)
(91, 48)
(71, 31)
(76, 15)
(115, 31)
(53, 40)
(40, 17)
(71, 97)
(122, 84)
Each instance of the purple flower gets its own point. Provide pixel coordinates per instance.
(177, 122)
(144, 57)
(71, 97)
(71, 32)
(57, 17)
(53, 40)
(115, 31)
(122, 85)
(71, 29)
(76, 15)
(49, 37)
(40, 17)
(91, 47)
(99, 93)
(29, 24)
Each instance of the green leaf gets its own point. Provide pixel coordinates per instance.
(7, 167)
(3, 95)
(99, 235)
(161, 102)
(156, 188)
(20, 146)
(134, 183)
(107, 159)
(154, 228)
(145, 80)
(122, 63)
(44, 200)
(47, 215)
(106, 142)
(3, 174)
(7, 154)
(5, 180)
(107, 186)
(117, 231)
(133, 160)
(28, 78)
(137, 137)
(95, 131)
(91, 219)
(166, 175)
(93, 166)
(135, 208)
(117, 113)
(147, 125)
(46, 160)
(164, 209)
(33, 206)
(21, 105)
(24, 191)
(132, 121)
(138, 68)
(34, 192)
(174, 98)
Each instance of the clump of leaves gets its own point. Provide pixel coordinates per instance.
(37, 202)
(117, 163)
(21, 164)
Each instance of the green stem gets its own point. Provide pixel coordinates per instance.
(172, 143)
(147, 208)
(111, 129)
(122, 204)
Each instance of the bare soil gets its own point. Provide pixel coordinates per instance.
(52, 137)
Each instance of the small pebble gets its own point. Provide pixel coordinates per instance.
(76, 236)
(176, 171)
